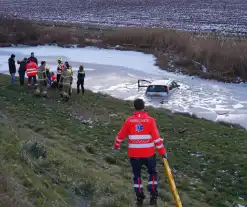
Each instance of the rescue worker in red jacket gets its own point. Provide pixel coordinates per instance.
(31, 70)
(143, 137)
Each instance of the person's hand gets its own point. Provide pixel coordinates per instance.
(165, 156)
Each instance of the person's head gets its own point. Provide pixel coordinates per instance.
(139, 104)
(12, 56)
(81, 67)
(67, 64)
(25, 59)
(32, 54)
(59, 60)
(52, 73)
(43, 62)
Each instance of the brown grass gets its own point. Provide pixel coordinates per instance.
(224, 58)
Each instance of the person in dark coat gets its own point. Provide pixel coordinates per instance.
(33, 59)
(80, 79)
(12, 68)
(22, 70)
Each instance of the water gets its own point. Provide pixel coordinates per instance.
(116, 73)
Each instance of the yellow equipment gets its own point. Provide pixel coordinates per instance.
(172, 183)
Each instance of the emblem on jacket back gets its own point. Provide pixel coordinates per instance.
(139, 127)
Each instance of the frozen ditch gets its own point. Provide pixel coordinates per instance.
(116, 73)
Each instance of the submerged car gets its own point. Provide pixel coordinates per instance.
(160, 88)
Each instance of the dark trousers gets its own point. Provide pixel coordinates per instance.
(80, 82)
(58, 77)
(22, 77)
(150, 163)
(12, 78)
(59, 81)
(30, 78)
(48, 77)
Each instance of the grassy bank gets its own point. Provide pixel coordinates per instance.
(224, 57)
(58, 154)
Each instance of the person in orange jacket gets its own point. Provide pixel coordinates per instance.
(143, 137)
(31, 70)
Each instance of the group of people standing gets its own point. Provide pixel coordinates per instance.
(22, 68)
(140, 128)
(42, 78)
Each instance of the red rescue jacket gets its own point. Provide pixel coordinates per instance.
(143, 136)
(31, 69)
(53, 78)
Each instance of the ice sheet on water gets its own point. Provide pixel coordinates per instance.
(108, 71)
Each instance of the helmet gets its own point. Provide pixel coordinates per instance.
(59, 59)
(47, 67)
(66, 64)
(81, 67)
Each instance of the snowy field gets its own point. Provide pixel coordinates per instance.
(116, 73)
(228, 16)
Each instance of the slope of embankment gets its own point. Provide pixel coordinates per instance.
(57, 154)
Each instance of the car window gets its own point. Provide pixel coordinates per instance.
(156, 88)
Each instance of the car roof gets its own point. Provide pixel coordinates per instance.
(160, 82)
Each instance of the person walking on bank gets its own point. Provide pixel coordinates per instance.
(22, 70)
(33, 58)
(12, 68)
(143, 136)
(80, 79)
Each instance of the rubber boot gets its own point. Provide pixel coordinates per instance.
(37, 92)
(153, 199)
(70, 91)
(44, 93)
(139, 198)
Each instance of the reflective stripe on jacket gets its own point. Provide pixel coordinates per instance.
(41, 73)
(143, 136)
(70, 70)
(66, 77)
(31, 69)
(80, 75)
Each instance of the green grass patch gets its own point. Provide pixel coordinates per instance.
(55, 153)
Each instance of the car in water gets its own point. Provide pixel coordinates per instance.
(158, 88)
